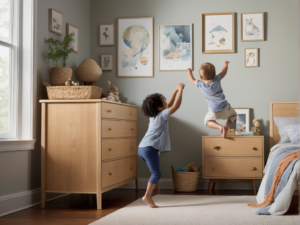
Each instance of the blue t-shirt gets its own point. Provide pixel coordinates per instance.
(213, 94)
(157, 135)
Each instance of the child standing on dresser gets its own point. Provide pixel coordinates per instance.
(218, 107)
(157, 138)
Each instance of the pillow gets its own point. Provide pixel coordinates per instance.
(281, 123)
(293, 132)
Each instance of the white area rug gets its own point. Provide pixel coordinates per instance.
(194, 209)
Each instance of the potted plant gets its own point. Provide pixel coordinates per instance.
(58, 53)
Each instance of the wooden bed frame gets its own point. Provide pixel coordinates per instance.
(283, 109)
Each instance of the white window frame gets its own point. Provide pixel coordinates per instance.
(25, 78)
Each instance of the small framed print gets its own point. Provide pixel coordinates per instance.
(252, 26)
(251, 57)
(71, 29)
(242, 122)
(218, 32)
(106, 62)
(55, 21)
(107, 34)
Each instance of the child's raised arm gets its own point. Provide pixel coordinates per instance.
(224, 70)
(191, 77)
(177, 103)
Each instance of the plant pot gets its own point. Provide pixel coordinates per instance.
(59, 75)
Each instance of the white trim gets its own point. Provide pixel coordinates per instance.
(167, 183)
(16, 145)
(23, 200)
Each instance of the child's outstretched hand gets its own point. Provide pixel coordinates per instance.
(225, 63)
(180, 86)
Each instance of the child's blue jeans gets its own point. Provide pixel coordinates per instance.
(150, 156)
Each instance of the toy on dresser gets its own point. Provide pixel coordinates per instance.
(256, 129)
(113, 93)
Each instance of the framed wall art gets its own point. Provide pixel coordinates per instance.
(107, 34)
(218, 32)
(106, 62)
(71, 29)
(175, 47)
(251, 57)
(55, 21)
(242, 122)
(135, 47)
(252, 26)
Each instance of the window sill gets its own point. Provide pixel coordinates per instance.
(16, 145)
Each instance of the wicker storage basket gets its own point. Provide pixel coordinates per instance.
(185, 181)
(74, 92)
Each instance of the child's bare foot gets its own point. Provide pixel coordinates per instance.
(225, 132)
(148, 200)
(222, 131)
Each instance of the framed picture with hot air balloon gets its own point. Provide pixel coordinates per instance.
(218, 32)
(135, 47)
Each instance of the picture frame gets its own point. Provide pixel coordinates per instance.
(73, 29)
(106, 62)
(107, 34)
(175, 47)
(252, 26)
(135, 61)
(242, 120)
(218, 33)
(56, 21)
(251, 57)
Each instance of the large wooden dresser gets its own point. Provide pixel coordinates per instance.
(88, 146)
(234, 159)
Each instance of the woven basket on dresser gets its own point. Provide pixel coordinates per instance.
(185, 181)
(74, 92)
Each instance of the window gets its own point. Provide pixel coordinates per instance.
(9, 45)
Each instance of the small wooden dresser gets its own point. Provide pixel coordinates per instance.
(88, 146)
(234, 159)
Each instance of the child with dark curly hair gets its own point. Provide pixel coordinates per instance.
(157, 138)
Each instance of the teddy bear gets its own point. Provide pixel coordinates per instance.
(113, 93)
(256, 129)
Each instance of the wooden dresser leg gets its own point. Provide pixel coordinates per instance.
(99, 200)
(136, 184)
(210, 186)
(157, 188)
(254, 187)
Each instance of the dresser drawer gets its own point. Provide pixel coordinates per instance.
(215, 146)
(118, 129)
(233, 167)
(116, 148)
(115, 111)
(117, 171)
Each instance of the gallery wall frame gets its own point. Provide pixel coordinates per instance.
(124, 26)
(56, 21)
(103, 34)
(251, 61)
(219, 29)
(102, 62)
(73, 29)
(185, 46)
(259, 24)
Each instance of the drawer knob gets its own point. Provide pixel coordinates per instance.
(253, 148)
(109, 111)
(131, 168)
(109, 129)
(110, 173)
(109, 149)
(254, 168)
(131, 128)
(217, 147)
(130, 113)
(131, 148)
(213, 168)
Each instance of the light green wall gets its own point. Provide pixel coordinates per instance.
(275, 80)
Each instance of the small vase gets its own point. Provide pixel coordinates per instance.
(59, 75)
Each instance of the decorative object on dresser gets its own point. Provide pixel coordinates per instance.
(218, 32)
(242, 122)
(71, 29)
(252, 26)
(106, 62)
(113, 93)
(55, 21)
(234, 159)
(88, 146)
(88, 71)
(107, 34)
(256, 129)
(58, 53)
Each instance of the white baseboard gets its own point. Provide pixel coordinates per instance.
(167, 183)
(23, 200)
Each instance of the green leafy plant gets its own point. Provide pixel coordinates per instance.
(60, 50)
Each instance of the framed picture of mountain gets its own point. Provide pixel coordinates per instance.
(242, 122)
(218, 33)
(252, 26)
(135, 47)
(175, 47)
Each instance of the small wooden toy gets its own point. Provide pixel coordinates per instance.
(256, 129)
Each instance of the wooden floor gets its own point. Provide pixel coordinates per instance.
(80, 209)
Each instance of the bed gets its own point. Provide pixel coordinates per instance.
(282, 202)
